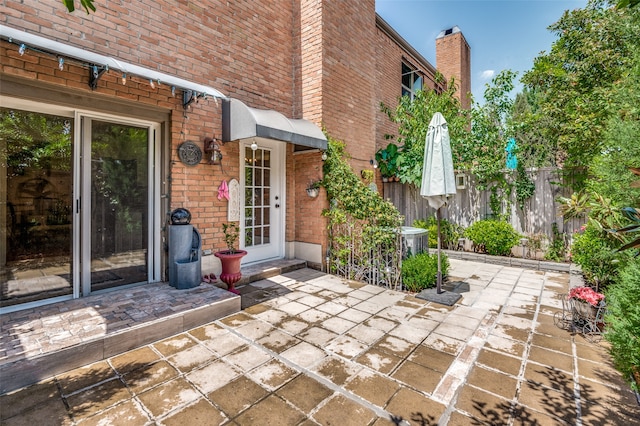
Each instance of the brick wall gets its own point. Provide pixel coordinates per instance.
(322, 60)
(310, 225)
(349, 76)
(389, 58)
(242, 48)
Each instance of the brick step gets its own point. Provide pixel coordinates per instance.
(41, 342)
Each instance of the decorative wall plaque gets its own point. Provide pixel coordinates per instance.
(189, 153)
(233, 208)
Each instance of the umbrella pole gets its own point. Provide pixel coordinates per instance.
(439, 277)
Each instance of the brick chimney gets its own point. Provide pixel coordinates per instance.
(453, 59)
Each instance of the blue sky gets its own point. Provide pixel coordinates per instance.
(506, 34)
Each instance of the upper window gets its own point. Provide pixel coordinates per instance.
(411, 80)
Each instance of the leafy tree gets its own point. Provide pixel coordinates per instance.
(493, 124)
(611, 174)
(413, 117)
(87, 4)
(575, 79)
(623, 323)
(528, 124)
(484, 152)
(627, 3)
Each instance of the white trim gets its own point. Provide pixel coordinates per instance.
(84, 215)
(34, 304)
(77, 208)
(33, 106)
(154, 227)
(55, 47)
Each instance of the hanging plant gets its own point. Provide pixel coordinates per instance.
(387, 160)
(313, 188)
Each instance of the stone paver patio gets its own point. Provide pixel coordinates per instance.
(309, 348)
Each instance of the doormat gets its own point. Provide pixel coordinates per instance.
(448, 298)
(100, 277)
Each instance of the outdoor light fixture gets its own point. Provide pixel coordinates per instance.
(374, 163)
(212, 149)
(324, 155)
(254, 145)
(523, 243)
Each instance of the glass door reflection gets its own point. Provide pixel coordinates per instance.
(36, 213)
(119, 204)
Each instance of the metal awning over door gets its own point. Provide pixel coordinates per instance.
(33, 41)
(241, 122)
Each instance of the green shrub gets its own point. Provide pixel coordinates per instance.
(450, 232)
(558, 247)
(421, 271)
(495, 236)
(596, 255)
(623, 321)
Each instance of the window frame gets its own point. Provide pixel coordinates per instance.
(412, 75)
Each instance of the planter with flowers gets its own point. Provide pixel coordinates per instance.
(588, 309)
(231, 257)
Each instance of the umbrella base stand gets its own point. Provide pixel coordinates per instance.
(438, 295)
(448, 298)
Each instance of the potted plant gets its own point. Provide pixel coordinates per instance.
(231, 257)
(313, 189)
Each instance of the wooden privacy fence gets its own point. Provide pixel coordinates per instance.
(471, 204)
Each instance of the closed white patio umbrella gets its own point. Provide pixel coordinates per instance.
(438, 178)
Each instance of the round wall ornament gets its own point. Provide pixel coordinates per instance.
(189, 153)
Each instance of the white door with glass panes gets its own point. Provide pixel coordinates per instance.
(262, 199)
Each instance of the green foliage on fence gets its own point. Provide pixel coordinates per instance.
(364, 229)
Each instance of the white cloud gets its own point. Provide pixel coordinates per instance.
(487, 74)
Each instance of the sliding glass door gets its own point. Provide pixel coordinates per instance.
(118, 181)
(79, 203)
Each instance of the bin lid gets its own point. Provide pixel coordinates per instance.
(410, 230)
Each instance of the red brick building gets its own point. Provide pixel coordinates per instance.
(105, 117)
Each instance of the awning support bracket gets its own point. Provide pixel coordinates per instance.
(95, 72)
(189, 97)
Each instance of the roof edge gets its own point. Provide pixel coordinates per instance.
(393, 34)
